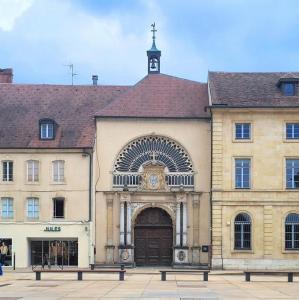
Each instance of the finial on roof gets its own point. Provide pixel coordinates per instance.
(154, 30)
(154, 54)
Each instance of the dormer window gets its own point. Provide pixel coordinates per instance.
(288, 89)
(287, 84)
(46, 128)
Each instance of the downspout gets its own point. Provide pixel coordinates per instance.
(211, 190)
(90, 155)
(90, 184)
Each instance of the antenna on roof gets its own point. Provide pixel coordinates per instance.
(71, 66)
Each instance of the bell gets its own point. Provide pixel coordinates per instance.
(153, 65)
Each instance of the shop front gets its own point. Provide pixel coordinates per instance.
(38, 244)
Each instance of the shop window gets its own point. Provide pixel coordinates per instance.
(5, 252)
(54, 253)
(242, 232)
(58, 207)
(6, 208)
(32, 208)
(7, 170)
(292, 232)
(58, 171)
(32, 170)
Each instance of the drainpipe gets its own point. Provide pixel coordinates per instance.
(211, 187)
(90, 155)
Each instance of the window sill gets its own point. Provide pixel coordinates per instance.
(242, 251)
(242, 141)
(295, 251)
(7, 182)
(291, 140)
(58, 183)
(242, 188)
(32, 183)
(56, 219)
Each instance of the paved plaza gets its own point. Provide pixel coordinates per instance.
(145, 284)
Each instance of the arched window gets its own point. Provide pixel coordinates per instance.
(242, 232)
(157, 150)
(292, 232)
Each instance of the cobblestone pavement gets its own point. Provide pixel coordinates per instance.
(145, 284)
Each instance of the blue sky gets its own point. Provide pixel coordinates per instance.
(110, 38)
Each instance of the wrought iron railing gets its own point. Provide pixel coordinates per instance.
(121, 179)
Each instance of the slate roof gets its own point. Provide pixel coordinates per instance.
(71, 107)
(160, 96)
(250, 89)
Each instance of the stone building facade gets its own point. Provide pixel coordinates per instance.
(168, 171)
(254, 122)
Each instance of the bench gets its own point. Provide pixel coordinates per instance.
(205, 273)
(80, 272)
(289, 273)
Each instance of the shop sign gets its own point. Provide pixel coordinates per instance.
(53, 228)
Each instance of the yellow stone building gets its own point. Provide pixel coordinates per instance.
(255, 148)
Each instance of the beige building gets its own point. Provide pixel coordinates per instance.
(255, 170)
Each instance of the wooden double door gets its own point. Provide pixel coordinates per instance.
(153, 236)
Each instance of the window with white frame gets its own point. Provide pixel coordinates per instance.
(32, 208)
(7, 208)
(292, 131)
(292, 173)
(58, 171)
(242, 173)
(32, 170)
(292, 232)
(7, 170)
(46, 129)
(242, 131)
(242, 232)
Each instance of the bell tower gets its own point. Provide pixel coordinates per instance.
(153, 55)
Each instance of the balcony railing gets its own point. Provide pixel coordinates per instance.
(132, 180)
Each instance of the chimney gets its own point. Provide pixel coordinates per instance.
(95, 79)
(6, 75)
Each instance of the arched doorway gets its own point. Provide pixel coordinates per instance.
(153, 238)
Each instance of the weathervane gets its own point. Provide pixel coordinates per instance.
(154, 30)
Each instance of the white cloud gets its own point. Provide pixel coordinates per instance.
(11, 10)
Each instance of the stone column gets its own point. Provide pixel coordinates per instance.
(126, 254)
(196, 230)
(129, 223)
(109, 246)
(181, 253)
(178, 224)
(122, 224)
(184, 224)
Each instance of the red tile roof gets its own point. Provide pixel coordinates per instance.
(71, 107)
(160, 96)
(250, 89)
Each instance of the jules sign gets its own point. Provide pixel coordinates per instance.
(53, 228)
